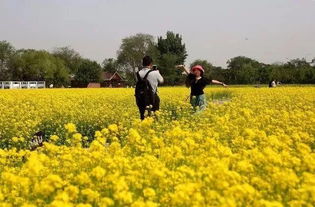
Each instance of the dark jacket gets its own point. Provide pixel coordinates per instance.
(197, 86)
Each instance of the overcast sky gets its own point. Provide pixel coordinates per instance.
(215, 30)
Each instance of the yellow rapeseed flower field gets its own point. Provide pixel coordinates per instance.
(250, 147)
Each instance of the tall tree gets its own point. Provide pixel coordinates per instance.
(300, 70)
(171, 52)
(133, 49)
(243, 70)
(71, 57)
(172, 44)
(6, 52)
(110, 65)
(166, 67)
(30, 65)
(88, 71)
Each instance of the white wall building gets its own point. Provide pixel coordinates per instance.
(22, 84)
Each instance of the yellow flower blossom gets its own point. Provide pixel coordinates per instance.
(255, 148)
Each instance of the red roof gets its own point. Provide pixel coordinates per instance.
(110, 76)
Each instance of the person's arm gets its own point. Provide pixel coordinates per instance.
(160, 78)
(184, 68)
(218, 82)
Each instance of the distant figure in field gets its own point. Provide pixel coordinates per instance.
(197, 82)
(272, 84)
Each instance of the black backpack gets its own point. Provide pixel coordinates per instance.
(144, 93)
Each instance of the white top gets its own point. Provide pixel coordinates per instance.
(154, 78)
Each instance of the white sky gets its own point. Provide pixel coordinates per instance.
(215, 30)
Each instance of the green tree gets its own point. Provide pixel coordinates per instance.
(133, 49)
(166, 66)
(243, 70)
(30, 65)
(278, 72)
(6, 53)
(110, 65)
(171, 52)
(300, 71)
(71, 58)
(60, 73)
(172, 44)
(88, 71)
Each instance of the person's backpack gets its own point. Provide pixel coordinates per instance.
(143, 92)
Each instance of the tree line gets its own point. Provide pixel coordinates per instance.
(64, 66)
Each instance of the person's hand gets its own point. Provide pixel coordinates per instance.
(224, 85)
(183, 68)
(180, 66)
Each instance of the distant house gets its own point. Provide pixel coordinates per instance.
(78, 84)
(94, 85)
(109, 80)
(112, 80)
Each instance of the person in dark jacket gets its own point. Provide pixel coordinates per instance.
(197, 82)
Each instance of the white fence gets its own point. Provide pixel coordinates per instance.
(21, 84)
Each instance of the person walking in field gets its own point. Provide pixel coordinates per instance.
(272, 84)
(197, 82)
(146, 93)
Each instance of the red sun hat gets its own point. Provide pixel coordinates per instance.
(198, 67)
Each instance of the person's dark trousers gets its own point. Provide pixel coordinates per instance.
(156, 104)
(155, 107)
(141, 107)
(142, 111)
